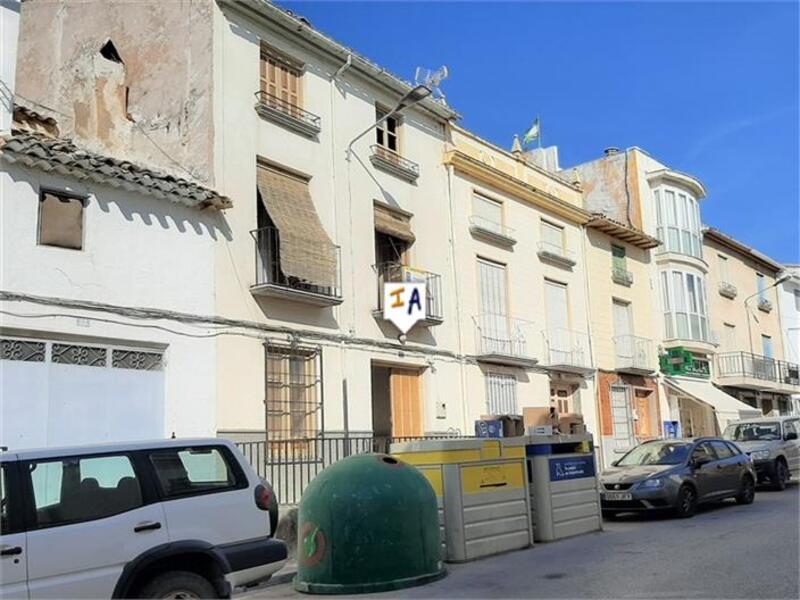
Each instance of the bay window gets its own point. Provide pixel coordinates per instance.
(685, 306)
(678, 221)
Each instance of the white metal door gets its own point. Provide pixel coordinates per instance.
(90, 524)
(494, 307)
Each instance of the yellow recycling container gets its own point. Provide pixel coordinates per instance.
(481, 487)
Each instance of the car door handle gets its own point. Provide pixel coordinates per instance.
(147, 526)
(10, 550)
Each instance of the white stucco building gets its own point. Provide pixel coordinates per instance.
(789, 308)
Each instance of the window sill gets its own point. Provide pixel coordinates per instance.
(557, 259)
(492, 236)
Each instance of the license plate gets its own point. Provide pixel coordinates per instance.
(618, 496)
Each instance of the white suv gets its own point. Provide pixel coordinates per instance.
(166, 519)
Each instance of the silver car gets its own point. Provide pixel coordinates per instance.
(772, 444)
(678, 475)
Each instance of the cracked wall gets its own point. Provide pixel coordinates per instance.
(153, 106)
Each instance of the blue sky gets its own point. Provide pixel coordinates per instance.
(709, 89)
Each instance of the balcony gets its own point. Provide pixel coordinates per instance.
(387, 160)
(764, 305)
(491, 231)
(727, 290)
(635, 355)
(757, 372)
(568, 351)
(272, 282)
(556, 254)
(279, 111)
(621, 276)
(396, 273)
(502, 340)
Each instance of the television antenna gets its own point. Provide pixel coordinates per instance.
(432, 80)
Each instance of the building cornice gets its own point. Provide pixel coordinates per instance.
(730, 243)
(626, 233)
(498, 180)
(298, 27)
(682, 179)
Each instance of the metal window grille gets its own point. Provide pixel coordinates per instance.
(140, 361)
(23, 350)
(622, 418)
(501, 394)
(69, 354)
(293, 397)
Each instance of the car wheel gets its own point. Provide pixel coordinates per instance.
(781, 476)
(178, 585)
(686, 505)
(748, 493)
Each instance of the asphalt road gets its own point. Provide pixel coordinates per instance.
(725, 551)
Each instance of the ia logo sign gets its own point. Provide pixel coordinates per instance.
(404, 304)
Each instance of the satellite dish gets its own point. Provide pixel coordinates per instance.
(431, 79)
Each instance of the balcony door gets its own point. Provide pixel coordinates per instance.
(623, 330)
(558, 333)
(494, 325)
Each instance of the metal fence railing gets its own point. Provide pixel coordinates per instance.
(635, 352)
(275, 103)
(392, 272)
(756, 366)
(290, 465)
(568, 348)
(501, 335)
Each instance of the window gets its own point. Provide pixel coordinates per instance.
(5, 516)
(618, 260)
(387, 132)
(788, 427)
(487, 214)
(552, 237)
(678, 222)
(722, 450)
(60, 221)
(685, 306)
(75, 489)
(724, 274)
(292, 393)
(622, 418)
(761, 286)
(797, 300)
(729, 341)
(704, 452)
(280, 79)
(766, 344)
(562, 398)
(190, 471)
(501, 394)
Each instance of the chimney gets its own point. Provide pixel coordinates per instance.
(9, 32)
(611, 151)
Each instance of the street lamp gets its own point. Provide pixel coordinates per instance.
(776, 283)
(412, 97)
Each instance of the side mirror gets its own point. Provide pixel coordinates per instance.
(790, 435)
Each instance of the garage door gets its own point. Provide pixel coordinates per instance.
(55, 393)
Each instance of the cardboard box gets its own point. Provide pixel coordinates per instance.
(512, 424)
(489, 429)
(535, 416)
(571, 423)
(540, 430)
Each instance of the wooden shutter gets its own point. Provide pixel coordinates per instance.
(280, 76)
(406, 403)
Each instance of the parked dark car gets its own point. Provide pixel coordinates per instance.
(678, 475)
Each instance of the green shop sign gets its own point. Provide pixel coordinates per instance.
(679, 361)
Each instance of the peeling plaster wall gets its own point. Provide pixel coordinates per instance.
(155, 108)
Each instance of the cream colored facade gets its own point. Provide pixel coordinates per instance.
(751, 362)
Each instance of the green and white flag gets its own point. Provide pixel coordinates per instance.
(533, 133)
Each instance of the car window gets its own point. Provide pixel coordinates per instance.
(753, 432)
(733, 449)
(722, 450)
(790, 426)
(703, 452)
(187, 471)
(5, 518)
(76, 489)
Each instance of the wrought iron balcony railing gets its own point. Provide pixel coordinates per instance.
(635, 354)
(392, 272)
(272, 281)
(557, 254)
(287, 114)
(568, 350)
(756, 366)
(621, 276)
(503, 339)
(491, 229)
(728, 290)
(388, 160)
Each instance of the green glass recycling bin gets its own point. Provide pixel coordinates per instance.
(367, 523)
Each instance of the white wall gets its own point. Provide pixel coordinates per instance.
(138, 251)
